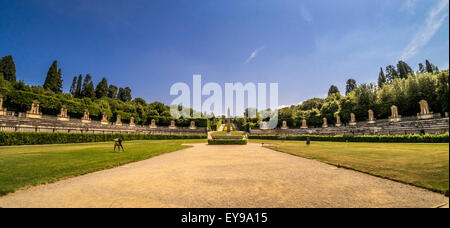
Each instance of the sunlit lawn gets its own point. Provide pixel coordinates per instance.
(22, 166)
(424, 165)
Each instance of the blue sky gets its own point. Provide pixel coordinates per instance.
(305, 46)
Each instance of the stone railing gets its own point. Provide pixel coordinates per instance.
(18, 123)
(381, 127)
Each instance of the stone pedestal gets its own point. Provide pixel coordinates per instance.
(338, 121)
(304, 125)
(396, 119)
(104, 120)
(118, 121)
(2, 110)
(425, 116)
(325, 123)
(352, 120)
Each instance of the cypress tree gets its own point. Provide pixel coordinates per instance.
(79, 86)
(381, 78)
(102, 89)
(53, 81)
(112, 91)
(8, 68)
(73, 88)
(429, 66)
(88, 87)
(350, 86)
(333, 89)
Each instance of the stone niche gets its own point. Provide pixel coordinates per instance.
(62, 116)
(34, 111)
(284, 126)
(338, 121)
(172, 125)
(153, 124)
(86, 118)
(371, 117)
(118, 121)
(2, 110)
(395, 117)
(132, 124)
(424, 111)
(304, 124)
(192, 126)
(104, 120)
(352, 120)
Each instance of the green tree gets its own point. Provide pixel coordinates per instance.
(124, 94)
(102, 88)
(112, 91)
(404, 69)
(381, 78)
(8, 68)
(350, 86)
(421, 68)
(73, 87)
(391, 73)
(429, 67)
(88, 87)
(53, 81)
(333, 90)
(79, 86)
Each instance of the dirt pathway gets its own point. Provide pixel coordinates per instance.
(225, 176)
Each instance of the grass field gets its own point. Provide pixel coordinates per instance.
(22, 166)
(424, 165)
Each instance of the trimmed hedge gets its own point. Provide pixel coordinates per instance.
(227, 141)
(443, 138)
(29, 138)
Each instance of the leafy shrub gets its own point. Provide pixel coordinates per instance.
(227, 141)
(443, 138)
(29, 138)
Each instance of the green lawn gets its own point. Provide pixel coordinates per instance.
(22, 166)
(424, 165)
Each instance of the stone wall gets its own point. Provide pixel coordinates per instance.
(11, 123)
(381, 127)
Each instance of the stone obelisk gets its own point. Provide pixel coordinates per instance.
(228, 122)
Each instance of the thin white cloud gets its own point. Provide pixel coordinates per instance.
(254, 54)
(434, 21)
(306, 15)
(409, 6)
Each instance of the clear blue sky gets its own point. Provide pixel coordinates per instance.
(148, 45)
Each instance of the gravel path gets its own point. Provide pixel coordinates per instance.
(225, 176)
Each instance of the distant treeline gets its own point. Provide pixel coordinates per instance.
(83, 95)
(399, 86)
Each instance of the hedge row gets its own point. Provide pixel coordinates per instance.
(28, 138)
(443, 138)
(227, 141)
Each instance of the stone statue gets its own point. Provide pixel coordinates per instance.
(395, 117)
(104, 120)
(172, 125)
(34, 111)
(192, 126)
(284, 125)
(2, 110)
(325, 123)
(63, 114)
(153, 124)
(371, 117)
(132, 124)
(424, 111)
(352, 119)
(118, 120)
(338, 121)
(86, 118)
(304, 125)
